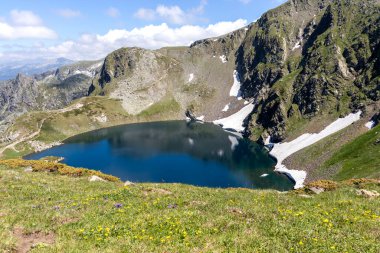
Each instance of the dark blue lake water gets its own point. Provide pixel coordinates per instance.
(175, 152)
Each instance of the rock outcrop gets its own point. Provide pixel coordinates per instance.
(47, 91)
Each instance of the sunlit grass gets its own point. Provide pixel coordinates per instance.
(110, 217)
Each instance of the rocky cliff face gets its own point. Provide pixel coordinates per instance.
(50, 90)
(198, 77)
(310, 58)
(304, 59)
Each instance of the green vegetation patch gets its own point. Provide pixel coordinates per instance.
(165, 106)
(359, 158)
(51, 166)
(83, 216)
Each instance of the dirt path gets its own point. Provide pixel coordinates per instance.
(34, 134)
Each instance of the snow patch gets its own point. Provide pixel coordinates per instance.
(236, 120)
(201, 118)
(246, 102)
(283, 150)
(297, 45)
(370, 124)
(234, 142)
(223, 58)
(83, 72)
(101, 118)
(264, 175)
(299, 42)
(267, 141)
(226, 107)
(97, 65)
(237, 134)
(235, 89)
(191, 77)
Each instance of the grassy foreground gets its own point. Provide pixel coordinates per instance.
(51, 212)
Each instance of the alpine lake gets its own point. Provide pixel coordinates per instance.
(200, 154)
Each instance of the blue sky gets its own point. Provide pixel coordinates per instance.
(83, 29)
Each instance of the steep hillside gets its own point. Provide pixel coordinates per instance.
(47, 91)
(303, 64)
(198, 77)
(351, 153)
(310, 60)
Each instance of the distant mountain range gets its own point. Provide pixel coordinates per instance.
(9, 70)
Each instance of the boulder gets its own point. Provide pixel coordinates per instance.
(95, 179)
(316, 190)
(128, 183)
(367, 193)
(28, 169)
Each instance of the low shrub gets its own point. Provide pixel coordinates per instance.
(54, 167)
(327, 185)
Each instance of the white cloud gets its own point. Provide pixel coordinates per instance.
(68, 13)
(200, 8)
(145, 14)
(113, 12)
(25, 32)
(25, 25)
(172, 14)
(26, 18)
(91, 46)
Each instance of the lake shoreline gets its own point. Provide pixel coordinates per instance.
(204, 149)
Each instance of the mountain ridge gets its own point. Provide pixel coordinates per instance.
(301, 65)
(10, 69)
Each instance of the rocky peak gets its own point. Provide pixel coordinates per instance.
(21, 78)
(302, 59)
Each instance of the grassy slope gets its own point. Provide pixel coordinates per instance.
(359, 158)
(350, 153)
(83, 217)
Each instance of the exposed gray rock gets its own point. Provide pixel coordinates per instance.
(94, 178)
(47, 91)
(28, 169)
(316, 190)
(367, 193)
(128, 183)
